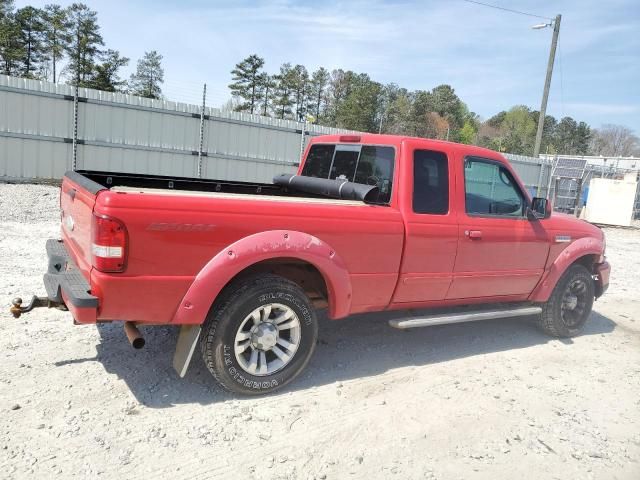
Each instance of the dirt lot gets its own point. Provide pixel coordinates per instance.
(495, 399)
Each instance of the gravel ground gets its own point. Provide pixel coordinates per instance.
(495, 400)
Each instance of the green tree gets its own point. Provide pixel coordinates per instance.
(247, 82)
(396, 110)
(86, 40)
(421, 106)
(583, 138)
(359, 109)
(300, 78)
(30, 27)
(268, 86)
(149, 76)
(10, 46)
(317, 91)
(548, 132)
(447, 104)
(57, 36)
(467, 133)
(497, 119)
(518, 131)
(571, 137)
(105, 76)
(283, 100)
(388, 113)
(337, 92)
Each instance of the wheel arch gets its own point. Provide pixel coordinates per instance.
(584, 251)
(298, 256)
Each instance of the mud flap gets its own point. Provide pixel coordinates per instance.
(187, 341)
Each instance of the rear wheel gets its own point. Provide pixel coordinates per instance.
(569, 306)
(260, 336)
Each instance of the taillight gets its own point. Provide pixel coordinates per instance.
(109, 244)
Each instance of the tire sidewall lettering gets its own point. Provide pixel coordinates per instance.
(287, 297)
(239, 377)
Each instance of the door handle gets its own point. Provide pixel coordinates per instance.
(473, 234)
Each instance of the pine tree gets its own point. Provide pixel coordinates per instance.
(30, 27)
(338, 90)
(247, 82)
(283, 94)
(395, 107)
(85, 44)
(10, 46)
(317, 91)
(268, 85)
(57, 35)
(300, 81)
(105, 76)
(149, 76)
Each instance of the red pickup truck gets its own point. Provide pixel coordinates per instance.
(370, 223)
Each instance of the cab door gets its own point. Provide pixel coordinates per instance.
(431, 230)
(500, 252)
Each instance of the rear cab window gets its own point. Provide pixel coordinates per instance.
(365, 164)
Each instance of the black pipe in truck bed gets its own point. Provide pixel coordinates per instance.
(337, 188)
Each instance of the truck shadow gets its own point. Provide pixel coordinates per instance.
(357, 347)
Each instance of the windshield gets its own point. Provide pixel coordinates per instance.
(366, 164)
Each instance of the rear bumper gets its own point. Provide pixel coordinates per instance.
(64, 283)
(602, 272)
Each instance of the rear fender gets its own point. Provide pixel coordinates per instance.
(579, 248)
(235, 258)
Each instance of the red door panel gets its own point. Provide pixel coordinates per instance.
(507, 259)
(430, 239)
(499, 254)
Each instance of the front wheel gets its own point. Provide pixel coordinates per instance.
(569, 306)
(260, 336)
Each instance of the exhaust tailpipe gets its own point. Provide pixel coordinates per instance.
(133, 335)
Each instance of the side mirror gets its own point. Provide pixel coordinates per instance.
(540, 208)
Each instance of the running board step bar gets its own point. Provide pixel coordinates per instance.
(443, 319)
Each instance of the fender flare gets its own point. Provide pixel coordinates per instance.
(230, 261)
(579, 248)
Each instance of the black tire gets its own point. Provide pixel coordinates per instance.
(224, 321)
(560, 321)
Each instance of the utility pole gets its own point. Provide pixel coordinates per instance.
(202, 117)
(547, 84)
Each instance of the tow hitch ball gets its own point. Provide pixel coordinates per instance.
(17, 309)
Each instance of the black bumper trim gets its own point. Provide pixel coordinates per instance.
(63, 275)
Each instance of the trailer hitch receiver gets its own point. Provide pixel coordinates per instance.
(36, 302)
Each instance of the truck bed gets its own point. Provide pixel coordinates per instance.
(140, 182)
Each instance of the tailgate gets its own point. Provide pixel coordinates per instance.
(77, 198)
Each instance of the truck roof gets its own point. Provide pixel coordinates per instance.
(383, 139)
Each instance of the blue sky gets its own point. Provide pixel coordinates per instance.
(492, 58)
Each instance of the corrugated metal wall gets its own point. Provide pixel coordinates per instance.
(118, 132)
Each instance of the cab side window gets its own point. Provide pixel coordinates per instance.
(430, 182)
(490, 190)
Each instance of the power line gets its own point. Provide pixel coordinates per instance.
(507, 9)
